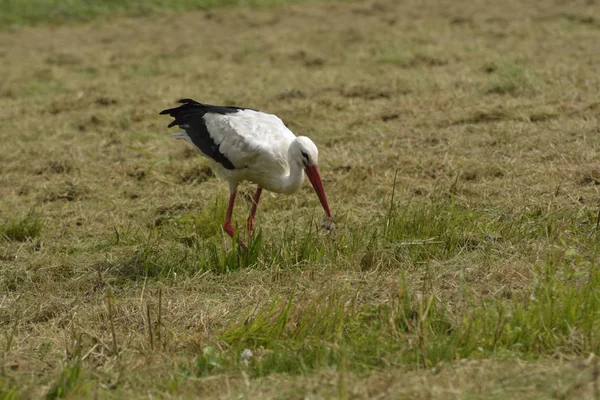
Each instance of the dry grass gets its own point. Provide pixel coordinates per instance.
(486, 115)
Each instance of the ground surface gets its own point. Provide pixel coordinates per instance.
(459, 147)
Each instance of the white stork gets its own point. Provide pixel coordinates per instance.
(249, 145)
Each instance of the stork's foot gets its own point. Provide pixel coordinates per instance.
(228, 228)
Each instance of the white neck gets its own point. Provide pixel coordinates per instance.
(291, 183)
(287, 182)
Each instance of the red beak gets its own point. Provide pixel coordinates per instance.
(315, 179)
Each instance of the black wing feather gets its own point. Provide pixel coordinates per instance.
(190, 117)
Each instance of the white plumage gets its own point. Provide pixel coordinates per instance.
(257, 145)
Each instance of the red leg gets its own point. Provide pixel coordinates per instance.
(227, 227)
(252, 215)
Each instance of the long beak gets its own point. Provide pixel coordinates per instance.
(315, 179)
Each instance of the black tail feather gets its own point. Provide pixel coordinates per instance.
(190, 106)
(190, 117)
(190, 101)
(187, 104)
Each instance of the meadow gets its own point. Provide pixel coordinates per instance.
(459, 146)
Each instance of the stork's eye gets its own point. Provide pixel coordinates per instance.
(305, 156)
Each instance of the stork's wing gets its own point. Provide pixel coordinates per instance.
(232, 136)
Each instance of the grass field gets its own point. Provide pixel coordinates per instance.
(459, 146)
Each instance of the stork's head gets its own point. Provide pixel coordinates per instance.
(305, 153)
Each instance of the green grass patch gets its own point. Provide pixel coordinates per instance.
(409, 236)
(509, 78)
(19, 12)
(416, 234)
(66, 384)
(164, 257)
(299, 334)
(558, 312)
(8, 391)
(21, 229)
